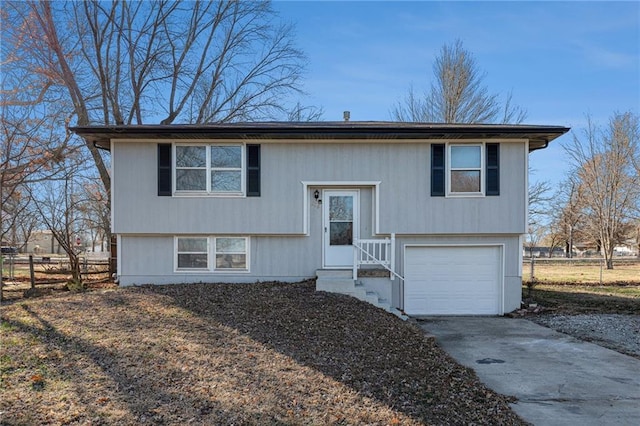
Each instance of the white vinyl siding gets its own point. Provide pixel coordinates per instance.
(401, 169)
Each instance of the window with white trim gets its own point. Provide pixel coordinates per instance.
(192, 253)
(465, 168)
(209, 168)
(231, 253)
(228, 254)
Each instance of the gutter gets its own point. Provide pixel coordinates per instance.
(104, 148)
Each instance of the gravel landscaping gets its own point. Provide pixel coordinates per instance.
(266, 353)
(614, 331)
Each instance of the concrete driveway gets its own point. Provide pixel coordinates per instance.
(557, 379)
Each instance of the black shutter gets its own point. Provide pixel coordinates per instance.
(493, 169)
(437, 169)
(164, 169)
(253, 170)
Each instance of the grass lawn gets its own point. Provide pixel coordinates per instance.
(575, 287)
(228, 354)
(253, 354)
(575, 298)
(582, 273)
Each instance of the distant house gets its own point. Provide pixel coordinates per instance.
(440, 208)
(629, 249)
(42, 242)
(542, 252)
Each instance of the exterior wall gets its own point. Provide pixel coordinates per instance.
(280, 246)
(405, 203)
(149, 259)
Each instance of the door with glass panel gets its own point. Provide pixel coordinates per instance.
(340, 227)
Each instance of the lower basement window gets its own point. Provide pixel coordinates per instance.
(231, 253)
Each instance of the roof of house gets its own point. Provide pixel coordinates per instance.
(539, 136)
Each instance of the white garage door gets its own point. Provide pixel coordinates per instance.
(447, 280)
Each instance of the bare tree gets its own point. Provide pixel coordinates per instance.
(58, 202)
(126, 62)
(567, 214)
(28, 223)
(539, 198)
(638, 237)
(535, 234)
(554, 237)
(94, 211)
(33, 142)
(300, 113)
(538, 209)
(602, 161)
(457, 94)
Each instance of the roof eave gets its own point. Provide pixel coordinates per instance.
(538, 136)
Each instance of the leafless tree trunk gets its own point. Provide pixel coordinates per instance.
(457, 94)
(32, 146)
(602, 161)
(94, 211)
(567, 213)
(538, 199)
(58, 203)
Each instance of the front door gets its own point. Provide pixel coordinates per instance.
(340, 225)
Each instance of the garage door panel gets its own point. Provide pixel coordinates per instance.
(453, 280)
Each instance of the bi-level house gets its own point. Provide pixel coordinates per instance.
(441, 209)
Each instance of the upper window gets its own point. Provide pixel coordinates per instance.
(226, 168)
(216, 169)
(465, 169)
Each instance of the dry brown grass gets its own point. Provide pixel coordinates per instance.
(573, 287)
(582, 273)
(580, 299)
(228, 354)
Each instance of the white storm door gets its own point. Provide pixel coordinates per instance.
(340, 227)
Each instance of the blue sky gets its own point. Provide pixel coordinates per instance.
(561, 60)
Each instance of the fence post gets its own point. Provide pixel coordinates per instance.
(601, 264)
(11, 266)
(32, 276)
(532, 275)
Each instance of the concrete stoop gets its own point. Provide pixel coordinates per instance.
(341, 281)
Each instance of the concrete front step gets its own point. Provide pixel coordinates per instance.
(334, 273)
(384, 304)
(334, 284)
(371, 297)
(342, 282)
